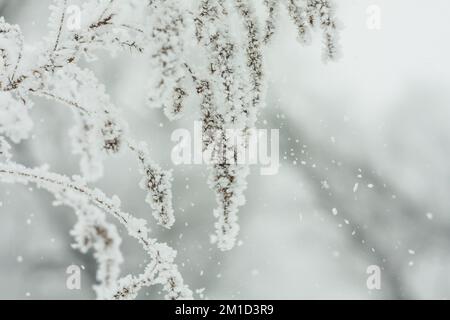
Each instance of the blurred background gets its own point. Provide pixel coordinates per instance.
(364, 177)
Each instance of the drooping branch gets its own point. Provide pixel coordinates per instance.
(272, 7)
(71, 192)
(93, 231)
(309, 14)
(230, 83)
(168, 32)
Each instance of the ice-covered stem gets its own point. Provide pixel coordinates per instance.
(63, 47)
(166, 49)
(11, 49)
(155, 181)
(101, 125)
(226, 108)
(15, 121)
(297, 12)
(309, 14)
(158, 184)
(212, 121)
(84, 137)
(321, 13)
(68, 191)
(226, 179)
(57, 184)
(45, 77)
(5, 58)
(59, 12)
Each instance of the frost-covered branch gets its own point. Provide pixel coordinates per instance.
(231, 86)
(5, 147)
(225, 68)
(272, 7)
(158, 184)
(99, 126)
(92, 231)
(76, 194)
(99, 129)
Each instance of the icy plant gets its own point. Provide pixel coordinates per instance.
(92, 231)
(231, 86)
(51, 71)
(212, 49)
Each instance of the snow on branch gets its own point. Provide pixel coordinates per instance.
(224, 68)
(99, 125)
(75, 194)
(158, 184)
(168, 32)
(310, 14)
(93, 231)
(5, 153)
(253, 51)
